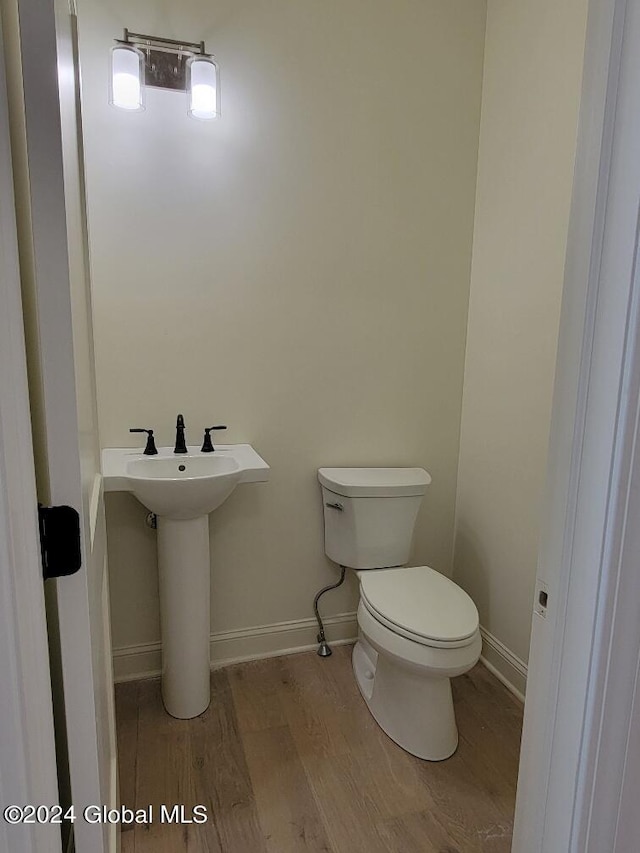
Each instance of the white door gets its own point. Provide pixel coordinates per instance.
(49, 183)
(27, 753)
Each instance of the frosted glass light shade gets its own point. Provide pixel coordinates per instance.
(127, 78)
(203, 88)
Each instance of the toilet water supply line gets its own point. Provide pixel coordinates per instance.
(323, 650)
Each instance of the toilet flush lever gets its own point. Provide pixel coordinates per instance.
(337, 506)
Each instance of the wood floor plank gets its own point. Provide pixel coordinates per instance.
(462, 804)
(127, 705)
(350, 815)
(220, 775)
(490, 724)
(286, 808)
(312, 707)
(256, 687)
(416, 833)
(128, 842)
(163, 775)
(498, 709)
(496, 767)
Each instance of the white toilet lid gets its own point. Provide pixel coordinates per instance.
(419, 603)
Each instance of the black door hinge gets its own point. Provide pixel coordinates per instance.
(59, 540)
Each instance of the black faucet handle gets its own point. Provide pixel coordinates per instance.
(207, 446)
(150, 449)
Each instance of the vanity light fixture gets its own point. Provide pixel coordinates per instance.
(139, 60)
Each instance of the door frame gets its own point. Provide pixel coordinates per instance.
(585, 649)
(27, 750)
(43, 80)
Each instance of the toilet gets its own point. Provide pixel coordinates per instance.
(416, 628)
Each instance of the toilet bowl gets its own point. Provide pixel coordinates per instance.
(417, 629)
(408, 650)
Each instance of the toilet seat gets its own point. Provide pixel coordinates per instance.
(420, 604)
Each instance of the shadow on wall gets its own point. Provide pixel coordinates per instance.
(133, 571)
(471, 570)
(426, 534)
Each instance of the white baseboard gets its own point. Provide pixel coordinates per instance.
(144, 660)
(507, 667)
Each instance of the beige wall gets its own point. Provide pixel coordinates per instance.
(532, 74)
(298, 270)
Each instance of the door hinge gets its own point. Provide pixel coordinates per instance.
(59, 540)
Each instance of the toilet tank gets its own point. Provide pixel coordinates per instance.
(370, 513)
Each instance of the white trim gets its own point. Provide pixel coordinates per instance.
(27, 752)
(144, 660)
(96, 507)
(613, 666)
(573, 703)
(504, 664)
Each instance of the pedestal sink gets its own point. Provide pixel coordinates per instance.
(182, 489)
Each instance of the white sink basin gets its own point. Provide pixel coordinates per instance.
(186, 485)
(183, 487)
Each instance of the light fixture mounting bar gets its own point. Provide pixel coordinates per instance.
(149, 41)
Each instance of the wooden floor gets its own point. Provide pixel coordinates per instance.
(288, 758)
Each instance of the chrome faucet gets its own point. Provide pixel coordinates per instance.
(180, 447)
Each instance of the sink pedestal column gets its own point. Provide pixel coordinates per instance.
(185, 582)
